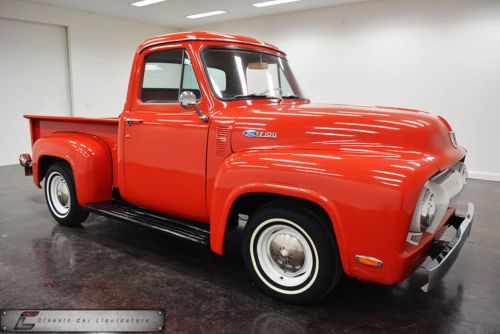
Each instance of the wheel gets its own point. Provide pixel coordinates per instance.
(60, 195)
(291, 253)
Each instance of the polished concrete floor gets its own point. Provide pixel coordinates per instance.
(108, 264)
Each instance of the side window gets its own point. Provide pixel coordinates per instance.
(163, 73)
(189, 81)
(162, 76)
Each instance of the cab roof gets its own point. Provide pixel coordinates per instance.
(205, 36)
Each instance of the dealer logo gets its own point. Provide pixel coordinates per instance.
(20, 325)
(250, 133)
(65, 321)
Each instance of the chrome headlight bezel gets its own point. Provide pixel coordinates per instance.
(444, 187)
(428, 210)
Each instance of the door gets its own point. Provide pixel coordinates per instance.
(165, 144)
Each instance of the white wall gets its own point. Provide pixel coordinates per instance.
(98, 55)
(442, 56)
(101, 49)
(31, 53)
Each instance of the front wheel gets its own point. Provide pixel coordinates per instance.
(291, 253)
(60, 194)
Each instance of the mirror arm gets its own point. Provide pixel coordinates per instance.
(188, 99)
(204, 118)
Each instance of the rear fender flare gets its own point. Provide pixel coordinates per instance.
(89, 158)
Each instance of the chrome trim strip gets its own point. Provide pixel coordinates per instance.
(440, 265)
(453, 139)
(440, 174)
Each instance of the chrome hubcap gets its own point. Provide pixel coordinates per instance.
(59, 195)
(284, 254)
(287, 252)
(62, 193)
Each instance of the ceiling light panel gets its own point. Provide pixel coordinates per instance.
(198, 16)
(145, 3)
(272, 3)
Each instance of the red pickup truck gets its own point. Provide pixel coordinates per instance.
(217, 135)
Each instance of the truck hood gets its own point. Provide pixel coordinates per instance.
(355, 130)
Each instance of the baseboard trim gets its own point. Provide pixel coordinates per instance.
(484, 176)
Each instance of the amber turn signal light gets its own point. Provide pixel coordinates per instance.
(368, 261)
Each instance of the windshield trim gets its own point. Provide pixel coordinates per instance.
(236, 48)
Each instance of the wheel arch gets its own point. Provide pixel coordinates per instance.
(251, 197)
(249, 202)
(44, 162)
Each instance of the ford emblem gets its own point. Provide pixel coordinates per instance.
(250, 133)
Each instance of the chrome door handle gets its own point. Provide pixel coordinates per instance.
(129, 121)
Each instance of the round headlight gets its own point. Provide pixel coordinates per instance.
(427, 210)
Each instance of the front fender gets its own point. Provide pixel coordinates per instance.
(89, 158)
(369, 198)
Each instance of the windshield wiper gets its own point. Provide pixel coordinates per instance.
(292, 97)
(255, 96)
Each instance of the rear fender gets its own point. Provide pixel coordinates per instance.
(89, 158)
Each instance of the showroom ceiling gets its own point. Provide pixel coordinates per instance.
(173, 12)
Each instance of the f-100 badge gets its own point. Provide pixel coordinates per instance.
(259, 134)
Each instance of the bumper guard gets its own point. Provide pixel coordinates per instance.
(26, 162)
(443, 253)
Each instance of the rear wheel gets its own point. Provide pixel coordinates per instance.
(291, 253)
(60, 194)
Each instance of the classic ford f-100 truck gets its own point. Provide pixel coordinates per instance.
(216, 135)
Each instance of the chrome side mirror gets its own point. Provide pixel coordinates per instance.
(187, 99)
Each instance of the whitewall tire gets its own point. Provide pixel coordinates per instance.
(291, 253)
(60, 195)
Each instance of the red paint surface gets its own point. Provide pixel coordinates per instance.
(365, 166)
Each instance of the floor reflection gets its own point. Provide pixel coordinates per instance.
(106, 261)
(272, 323)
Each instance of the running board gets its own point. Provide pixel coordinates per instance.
(196, 232)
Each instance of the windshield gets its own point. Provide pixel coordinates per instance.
(246, 74)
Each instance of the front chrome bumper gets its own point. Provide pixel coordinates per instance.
(443, 253)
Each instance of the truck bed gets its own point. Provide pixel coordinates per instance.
(104, 128)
